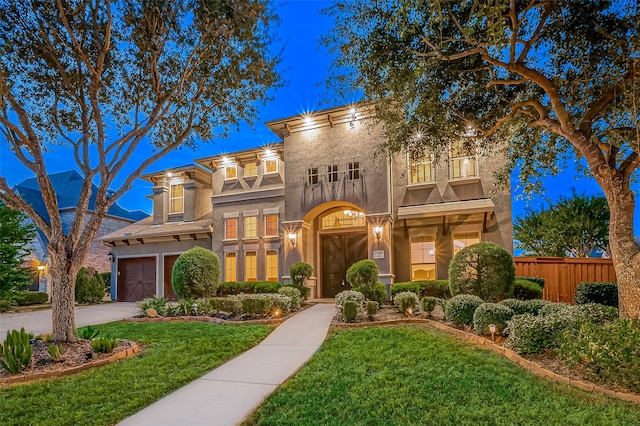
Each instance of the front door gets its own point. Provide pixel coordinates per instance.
(339, 252)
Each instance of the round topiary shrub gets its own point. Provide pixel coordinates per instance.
(352, 295)
(491, 313)
(407, 300)
(526, 290)
(485, 270)
(363, 274)
(605, 293)
(300, 272)
(294, 294)
(196, 273)
(459, 309)
(429, 303)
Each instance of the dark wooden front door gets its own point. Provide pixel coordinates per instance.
(169, 260)
(136, 278)
(339, 252)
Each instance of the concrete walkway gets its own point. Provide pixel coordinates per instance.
(226, 395)
(39, 322)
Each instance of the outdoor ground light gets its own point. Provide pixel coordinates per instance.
(277, 313)
(492, 330)
(292, 238)
(195, 309)
(377, 231)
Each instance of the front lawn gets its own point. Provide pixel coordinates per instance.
(175, 353)
(413, 375)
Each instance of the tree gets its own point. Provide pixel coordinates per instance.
(104, 78)
(578, 225)
(15, 235)
(552, 78)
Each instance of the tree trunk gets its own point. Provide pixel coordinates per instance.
(63, 273)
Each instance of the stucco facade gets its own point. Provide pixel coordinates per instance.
(322, 195)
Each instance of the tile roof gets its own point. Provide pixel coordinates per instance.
(145, 228)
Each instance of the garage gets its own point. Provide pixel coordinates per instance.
(136, 278)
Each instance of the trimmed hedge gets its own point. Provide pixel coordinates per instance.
(520, 307)
(491, 313)
(537, 280)
(349, 310)
(378, 293)
(36, 298)
(605, 293)
(5, 305)
(230, 288)
(459, 309)
(231, 305)
(196, 273)
(484, 269)
(257, 305)
(429, 303)
(372, 309)
(433, 288)
(294, 294)
(526, 290)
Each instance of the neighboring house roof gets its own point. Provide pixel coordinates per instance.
(68, 186)
(146, 229)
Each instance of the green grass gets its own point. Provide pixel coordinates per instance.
(412, 375)
(174, 354)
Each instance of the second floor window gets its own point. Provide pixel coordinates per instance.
(312, 175)
(250, 169)
(231, 228)
(353, 170)
(250, 227)
(332, 173)
(271, 165)
(463, 161)
(230, 172)
(420, 170)
(271, 225)
(176, 199)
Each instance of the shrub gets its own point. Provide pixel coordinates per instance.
(15, 353)
(267, 287)
(159, 304)
(484, 269)
(433, 288)
(37, 298)
(491, 313)
(459, 309)
(305, 291)
(300, 272)
(196, 273)
(525, 306)
(278, 301)
(537, 280)
(402, 287)
(530, 334)
(609, 352)
(363, 274)
(104, 344)
(89, 286)
(429, 303)
(230, 288)
(372, 309)
(378, 293)
(5, 305)
(595, 313)
(350, 310)
(232, 304)
(256, 305)
(106, 279)
(88, 333)
(203, 306)
(294, 294)
(184, 307)
(526, 290)
(343, 296)
(603, 293)
(405, 301)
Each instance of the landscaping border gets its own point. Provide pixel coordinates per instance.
(15, 380)
(532, 366)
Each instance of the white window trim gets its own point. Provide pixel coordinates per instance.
(477, 165)
(176, 198)
(251, 175)
(234, 166)
(411, 163)
(264, 166)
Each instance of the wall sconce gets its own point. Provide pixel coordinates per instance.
(41, 268)
(377, 231)
(292, 238)
(111, 256)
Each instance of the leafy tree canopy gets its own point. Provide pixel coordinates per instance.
(572, 225)
(15, 235)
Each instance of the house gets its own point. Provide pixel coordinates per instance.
(67, 186)
(321, 196)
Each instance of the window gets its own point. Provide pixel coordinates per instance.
(230, 172)
(250, 266)
(343, 219)
(463, 161)
(423, 258)
(176, 199)
(464, 239)
(230, 267)
(353, 170)
(271, 225)
(250, 227)
(272, 265)
(420, 170)
(332, 173)
(231, 228)
(250, 169)
(312, 175)
(271, 165)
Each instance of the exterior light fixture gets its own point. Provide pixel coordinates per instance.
(292, 238)
(277, 313)
(194, 307)
(169, 174)
(492, 330)
(111, 256)
(352, 111)
(308, 120)
(377, 231)
(41, 268)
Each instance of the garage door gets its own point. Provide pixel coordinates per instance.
(136, 278)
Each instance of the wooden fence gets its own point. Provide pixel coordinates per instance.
(562, 275)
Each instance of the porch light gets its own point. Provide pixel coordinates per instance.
(292, 238)
(308, 120)
(42, 267)
(377, 230)
(169, 174)
(492, 330)
(111, 256)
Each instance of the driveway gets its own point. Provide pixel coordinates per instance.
(38, 322)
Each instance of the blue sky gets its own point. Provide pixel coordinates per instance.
(305, 67)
